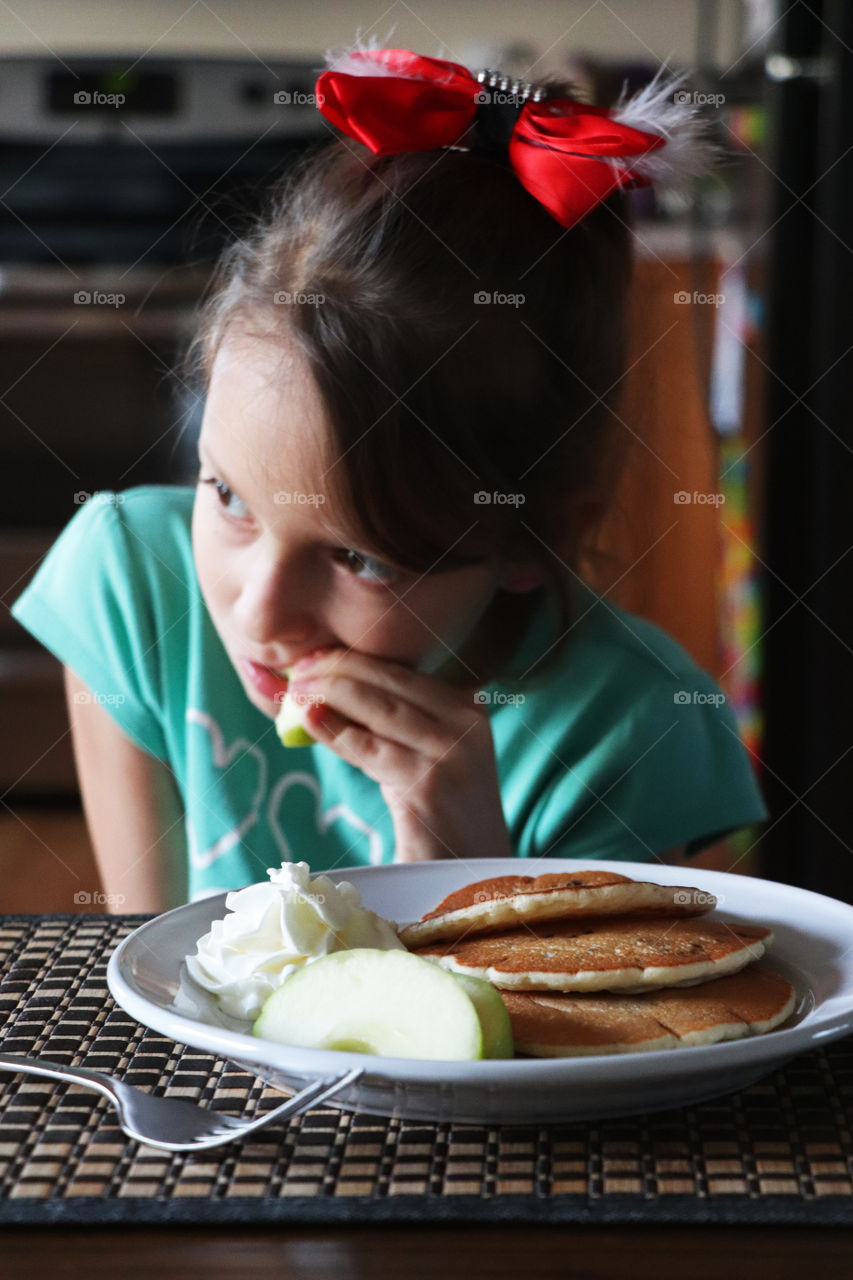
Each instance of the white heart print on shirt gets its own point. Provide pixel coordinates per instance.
(223, 758)
(237, 757)
(323, 818)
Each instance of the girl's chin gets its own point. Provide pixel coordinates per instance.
(270, 709)
(266, 705)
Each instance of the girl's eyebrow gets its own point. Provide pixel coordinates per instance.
(220, 471)
(205, 448)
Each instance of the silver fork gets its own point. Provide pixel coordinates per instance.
(173, 1124)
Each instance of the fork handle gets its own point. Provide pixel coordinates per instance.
(85, 1076)
(313, 1095)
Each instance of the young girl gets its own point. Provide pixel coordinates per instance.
(410, 369)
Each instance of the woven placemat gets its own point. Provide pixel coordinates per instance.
(777, 1152)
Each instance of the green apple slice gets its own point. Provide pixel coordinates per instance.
(288, 722)
(389, 1003)
(494, 1019)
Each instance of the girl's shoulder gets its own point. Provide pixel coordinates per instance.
(149, 505)
(145, 521)
(609, 631)
(608, 644)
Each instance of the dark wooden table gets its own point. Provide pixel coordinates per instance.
(430, 1253)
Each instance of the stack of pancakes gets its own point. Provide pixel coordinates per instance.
(592, 962)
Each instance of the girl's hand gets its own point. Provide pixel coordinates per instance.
(427, 745)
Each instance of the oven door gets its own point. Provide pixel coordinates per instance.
(92, 398)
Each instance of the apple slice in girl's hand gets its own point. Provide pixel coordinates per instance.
(390, 1003)
(288, 722)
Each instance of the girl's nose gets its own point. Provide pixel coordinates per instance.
(275, 604)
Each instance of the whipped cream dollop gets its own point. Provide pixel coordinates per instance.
(273, 929)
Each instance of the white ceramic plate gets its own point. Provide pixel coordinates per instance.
(813, 948)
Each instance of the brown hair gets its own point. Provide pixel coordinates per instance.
(435, 395)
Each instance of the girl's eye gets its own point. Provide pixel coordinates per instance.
(361, 566)
(366, 569)
(227, 498)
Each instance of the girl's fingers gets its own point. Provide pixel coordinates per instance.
(382, 760)
(436, 699)
(381, 712)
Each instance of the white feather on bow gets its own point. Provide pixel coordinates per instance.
(662, 107)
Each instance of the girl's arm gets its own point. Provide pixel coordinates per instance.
(675, 856)
(715, 857)
(133, 809)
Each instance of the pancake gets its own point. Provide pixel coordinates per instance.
(612, 954)
(565, 1026)
(508, 901)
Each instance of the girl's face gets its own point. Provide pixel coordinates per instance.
(278, 573)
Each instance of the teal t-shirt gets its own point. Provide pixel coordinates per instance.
(628, 750)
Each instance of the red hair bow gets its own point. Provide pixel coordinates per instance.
(569, 156)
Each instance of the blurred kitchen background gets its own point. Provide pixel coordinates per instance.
(731, 528)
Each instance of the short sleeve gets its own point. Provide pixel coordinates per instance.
(671, 770)
(90, 604)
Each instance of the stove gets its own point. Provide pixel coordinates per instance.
(121, 178)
